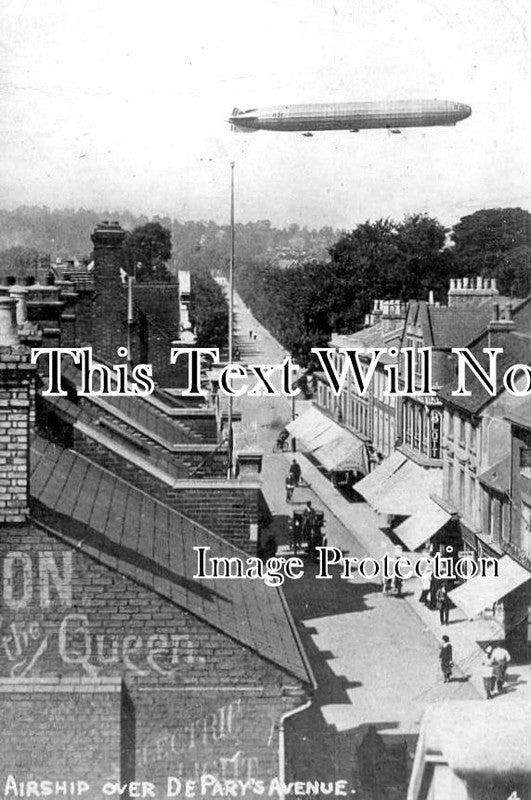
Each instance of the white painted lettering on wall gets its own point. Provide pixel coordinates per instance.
(27, 579)
(157, 653)
(42, 581)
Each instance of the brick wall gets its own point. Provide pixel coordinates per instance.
(16, 417)
(201, 701)
(39, 742)
(228, 511)
(101, 317)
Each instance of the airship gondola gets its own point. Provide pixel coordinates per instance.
(393, 115)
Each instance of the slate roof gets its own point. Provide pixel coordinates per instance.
(516, 350)
(141, 411)
(151, 543)
(450, 327)
(498, 477)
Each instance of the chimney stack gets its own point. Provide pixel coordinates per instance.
(500, 325)
(17, 392)
(470, 292)
(393, 314)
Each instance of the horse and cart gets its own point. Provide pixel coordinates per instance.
(306, 532)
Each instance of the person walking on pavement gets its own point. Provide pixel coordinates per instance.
(290, 487)
(425, 584)
(295, 472)
(500, 660)
(443, 604)
(446, 658)
(486, 672)
(433, 593)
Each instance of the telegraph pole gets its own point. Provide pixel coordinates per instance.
(231, 316)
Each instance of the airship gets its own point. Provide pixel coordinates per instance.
(393, 115)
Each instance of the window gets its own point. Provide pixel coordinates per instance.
(450, 418)
(495, 517)
(461, 490)
(450, 479)
(462, 431)
(472, 502)
(417, 441)
(525, 527)
(473, 438)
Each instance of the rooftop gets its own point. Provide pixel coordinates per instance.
(152, 544)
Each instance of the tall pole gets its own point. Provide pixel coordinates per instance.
(130, 280)
(231, 312)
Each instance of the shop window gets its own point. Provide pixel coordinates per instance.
(417, 442)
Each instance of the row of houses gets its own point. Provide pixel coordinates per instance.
(115, 664)
(449, 471)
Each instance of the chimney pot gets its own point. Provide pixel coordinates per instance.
(496, 312)
(431, 297)
(19, 294)
(8, 321)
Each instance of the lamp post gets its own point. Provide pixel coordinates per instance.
(231, 315)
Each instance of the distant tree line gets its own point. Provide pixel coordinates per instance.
(65, 233)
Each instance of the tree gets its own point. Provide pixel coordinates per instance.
(496, 243)
(423, 261)
(17, 261)
(209, 311)
(147, 249)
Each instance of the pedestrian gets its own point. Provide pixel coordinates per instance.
(486, 672)
(425, 584)
(446, 658)
(443, 604)
(397, 584)
(255, 336)
(295, 471)
(290, 487)
(270, 547)
(386, 585)
(433, 593)
(250, 334)
(500, 660)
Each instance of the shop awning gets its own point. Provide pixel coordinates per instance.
(346, 453)
(480, 593)
(334, 447)
(408, 490)
(371, 484)
(312, 428)
(421, 526)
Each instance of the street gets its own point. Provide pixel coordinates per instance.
(374, 660)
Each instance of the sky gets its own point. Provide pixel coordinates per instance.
(122, 104)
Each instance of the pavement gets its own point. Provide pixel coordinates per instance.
(375, 657)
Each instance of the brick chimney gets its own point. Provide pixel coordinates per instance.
(108, 312)
(109, 256)
(469, 292)
(17, 388)
(501, 324)
(393, 315)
